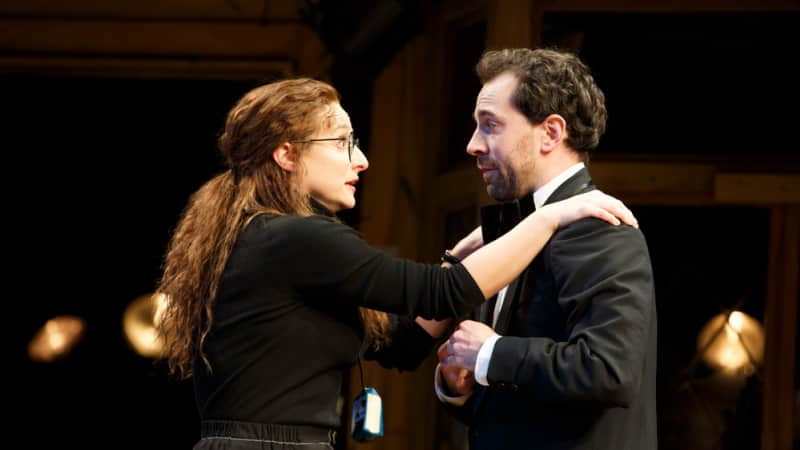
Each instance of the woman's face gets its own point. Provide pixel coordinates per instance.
(330, 176)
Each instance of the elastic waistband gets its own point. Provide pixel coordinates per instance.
(267, 432)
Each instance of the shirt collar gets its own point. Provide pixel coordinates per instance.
(541, 195)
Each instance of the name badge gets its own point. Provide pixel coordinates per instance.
(367, 423)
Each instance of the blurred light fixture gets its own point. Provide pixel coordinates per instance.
(56, 338)
(139, 324)
(733, 342)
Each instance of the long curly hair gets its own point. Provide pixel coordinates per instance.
(216, 214)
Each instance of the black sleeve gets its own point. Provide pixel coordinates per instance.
(326, 259)
(605, 286)
(408, 347)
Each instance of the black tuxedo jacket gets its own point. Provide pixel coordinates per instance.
(576, 368)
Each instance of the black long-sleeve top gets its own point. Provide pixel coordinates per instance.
(287, 326)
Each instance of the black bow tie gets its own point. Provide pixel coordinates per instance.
(497, 219)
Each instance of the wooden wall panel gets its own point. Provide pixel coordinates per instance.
(393, 210)
(781, 327)
(510, 24)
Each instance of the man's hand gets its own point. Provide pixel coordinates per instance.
(461, 349)
(459, 380)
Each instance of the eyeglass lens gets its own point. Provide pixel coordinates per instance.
(352, 142)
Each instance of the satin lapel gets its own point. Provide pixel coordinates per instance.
(487, 310)
(509, 303)
(577, 184)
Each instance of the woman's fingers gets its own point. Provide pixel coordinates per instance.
(623, 212)
(594, 204)
(610, 209)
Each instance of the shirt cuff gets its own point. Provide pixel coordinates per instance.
(484, 357)
(440, 390)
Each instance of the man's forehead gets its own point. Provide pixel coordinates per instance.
(495, 92)
(487, 97)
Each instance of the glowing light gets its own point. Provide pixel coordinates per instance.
(732, 342)
(139, 324)
(736, 319)
(56, 338)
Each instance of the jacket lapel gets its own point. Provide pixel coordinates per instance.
(504, 318)
(577, 184)
(487, 310)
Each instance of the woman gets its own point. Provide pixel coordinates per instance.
(272, 299)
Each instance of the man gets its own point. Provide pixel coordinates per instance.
(565, 356)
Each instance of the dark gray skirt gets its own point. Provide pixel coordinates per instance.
(232, 435)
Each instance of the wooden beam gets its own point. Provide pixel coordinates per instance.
(658, 184)
(757, 188)
(693, 184)
(151, 9)
(780, 317)
(649, 183)
(178, 68)
(51, 37)
(677, 6)
(655, 179)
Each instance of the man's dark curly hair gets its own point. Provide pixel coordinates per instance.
(552, 82)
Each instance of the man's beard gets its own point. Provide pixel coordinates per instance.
(511, 189)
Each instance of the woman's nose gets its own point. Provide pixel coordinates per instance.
(360, 161)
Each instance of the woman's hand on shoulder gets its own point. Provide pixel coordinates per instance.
(591, 204)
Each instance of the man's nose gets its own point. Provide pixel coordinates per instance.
(476, 145)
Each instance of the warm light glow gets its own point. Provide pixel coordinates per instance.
(733, 342)
(56, 338)
(736, 319)
(161, 305)
(139, 322)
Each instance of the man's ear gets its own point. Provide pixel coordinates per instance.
(285, 156)
(555, 131)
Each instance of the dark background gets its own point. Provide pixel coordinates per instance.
(98, 170)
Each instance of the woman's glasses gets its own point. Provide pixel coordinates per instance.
(351, 140)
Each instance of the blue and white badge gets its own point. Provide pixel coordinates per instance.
(367, 423)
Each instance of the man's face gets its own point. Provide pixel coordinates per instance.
(504, 142)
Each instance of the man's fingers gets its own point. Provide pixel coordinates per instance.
(453, 376)
(442, 352)
(451, 363)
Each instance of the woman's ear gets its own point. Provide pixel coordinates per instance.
(285, 156)
(555, 131)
